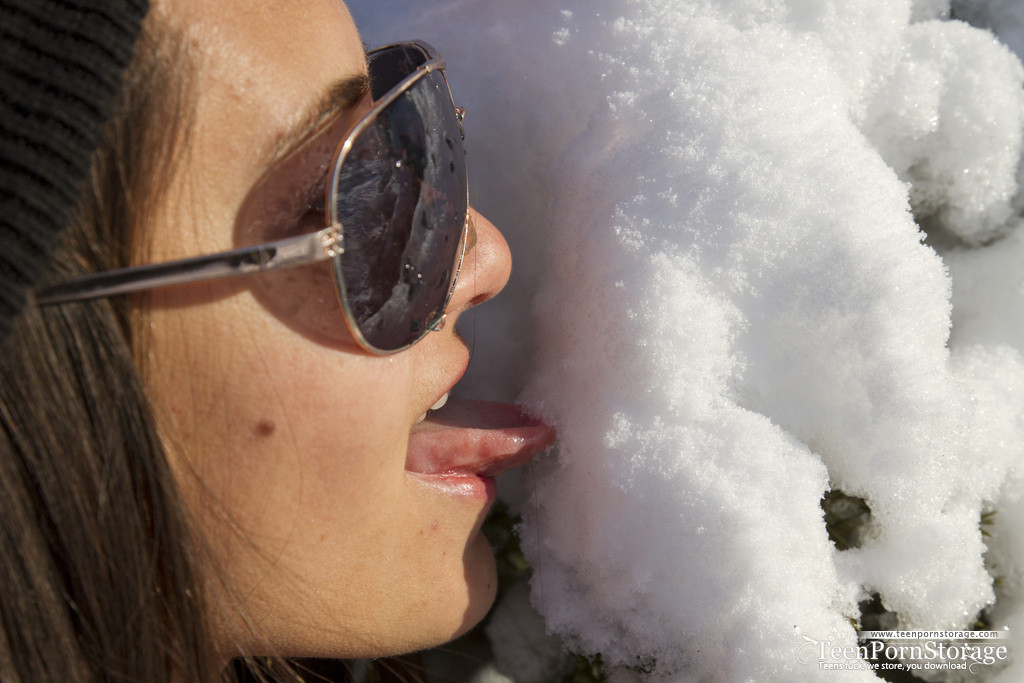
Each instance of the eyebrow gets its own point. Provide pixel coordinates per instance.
(342, 96)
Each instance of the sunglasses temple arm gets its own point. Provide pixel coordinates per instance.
(286, 253)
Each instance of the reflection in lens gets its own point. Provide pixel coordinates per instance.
(402, 206)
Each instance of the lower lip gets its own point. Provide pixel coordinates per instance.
(461, 484)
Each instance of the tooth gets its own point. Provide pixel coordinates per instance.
(440, 402)
(421, 418)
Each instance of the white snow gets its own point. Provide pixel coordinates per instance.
(722, 299)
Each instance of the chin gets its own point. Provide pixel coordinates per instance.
(482, 582)
(446, 612)
(469, 600)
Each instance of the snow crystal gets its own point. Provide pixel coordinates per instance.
(723, 300)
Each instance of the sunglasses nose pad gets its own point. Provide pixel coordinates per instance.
(439, 325)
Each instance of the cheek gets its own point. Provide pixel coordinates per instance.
(268, 418)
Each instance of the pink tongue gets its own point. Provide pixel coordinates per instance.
(477, 437)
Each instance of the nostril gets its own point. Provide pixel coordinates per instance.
(479, 299)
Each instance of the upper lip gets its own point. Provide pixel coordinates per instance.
(456, 376)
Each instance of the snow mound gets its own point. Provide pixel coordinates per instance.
(723, 299)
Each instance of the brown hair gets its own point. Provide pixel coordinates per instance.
(98, 578)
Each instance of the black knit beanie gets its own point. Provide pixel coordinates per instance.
(61, 65)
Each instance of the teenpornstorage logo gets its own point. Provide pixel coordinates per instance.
(909, 651)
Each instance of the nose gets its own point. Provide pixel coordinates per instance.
(485, 266)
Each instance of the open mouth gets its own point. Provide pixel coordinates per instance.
(463, 444)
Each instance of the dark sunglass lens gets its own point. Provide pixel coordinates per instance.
(388, 66)
(402, 205)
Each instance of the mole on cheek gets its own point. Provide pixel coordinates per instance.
(264, 427)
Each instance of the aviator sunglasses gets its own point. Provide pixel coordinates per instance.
(397, 206)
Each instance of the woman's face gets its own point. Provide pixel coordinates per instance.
(342, 525)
